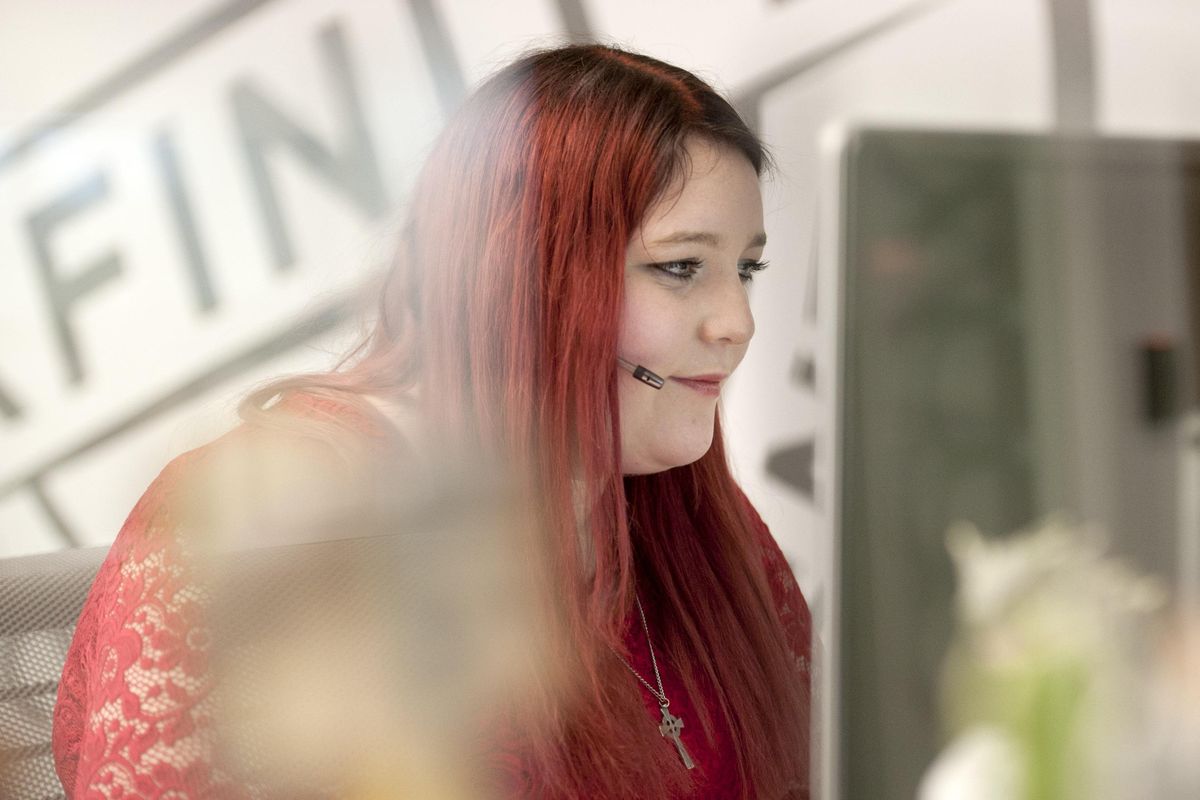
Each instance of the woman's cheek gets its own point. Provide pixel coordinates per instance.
(649, 329)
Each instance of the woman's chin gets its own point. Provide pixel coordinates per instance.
(661, 459)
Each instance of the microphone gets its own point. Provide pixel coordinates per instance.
(642, 374)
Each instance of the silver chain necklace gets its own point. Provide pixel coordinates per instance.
(671, 726)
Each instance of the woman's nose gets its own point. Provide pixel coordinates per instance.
(728, 317)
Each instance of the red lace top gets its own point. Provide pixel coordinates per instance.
(133, 717)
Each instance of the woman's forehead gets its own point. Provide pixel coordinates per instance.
(715, 196)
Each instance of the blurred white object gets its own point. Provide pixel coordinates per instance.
(1053, 651)
(984, 763)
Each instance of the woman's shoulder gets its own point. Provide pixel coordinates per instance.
(309, 457)
(304, 449)
(299, 459)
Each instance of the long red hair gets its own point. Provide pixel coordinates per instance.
(503, 307)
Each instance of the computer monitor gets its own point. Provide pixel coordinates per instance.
(1019, 317)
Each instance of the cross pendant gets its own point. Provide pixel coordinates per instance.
(672, 726)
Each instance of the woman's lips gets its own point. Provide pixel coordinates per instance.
(708, 387)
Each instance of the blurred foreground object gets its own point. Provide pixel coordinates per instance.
(1065, 679)
(368, 620)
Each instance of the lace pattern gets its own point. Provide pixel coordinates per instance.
(794, 614)
(132, 718)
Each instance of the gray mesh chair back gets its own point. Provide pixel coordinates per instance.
(40, 600)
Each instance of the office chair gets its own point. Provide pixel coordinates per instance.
(40, 600)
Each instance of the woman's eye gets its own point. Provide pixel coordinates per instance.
(683, 270)
(686, 269)
(748, 268)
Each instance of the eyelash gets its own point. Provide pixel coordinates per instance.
(694, 265)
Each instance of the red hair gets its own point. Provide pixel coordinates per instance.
(503, 306)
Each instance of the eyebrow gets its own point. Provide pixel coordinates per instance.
(706, 238)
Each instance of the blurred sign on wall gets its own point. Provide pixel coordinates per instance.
(206, 202)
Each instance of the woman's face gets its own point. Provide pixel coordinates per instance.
(686, 312)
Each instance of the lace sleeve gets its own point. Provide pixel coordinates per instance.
(132, 718)
(794, 616)
(137, 701)
(790, 604)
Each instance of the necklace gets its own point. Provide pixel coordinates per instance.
(671, 726)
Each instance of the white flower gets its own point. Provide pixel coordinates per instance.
(1051, 650)
(984, 763)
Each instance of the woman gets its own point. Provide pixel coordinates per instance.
(589, 214)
